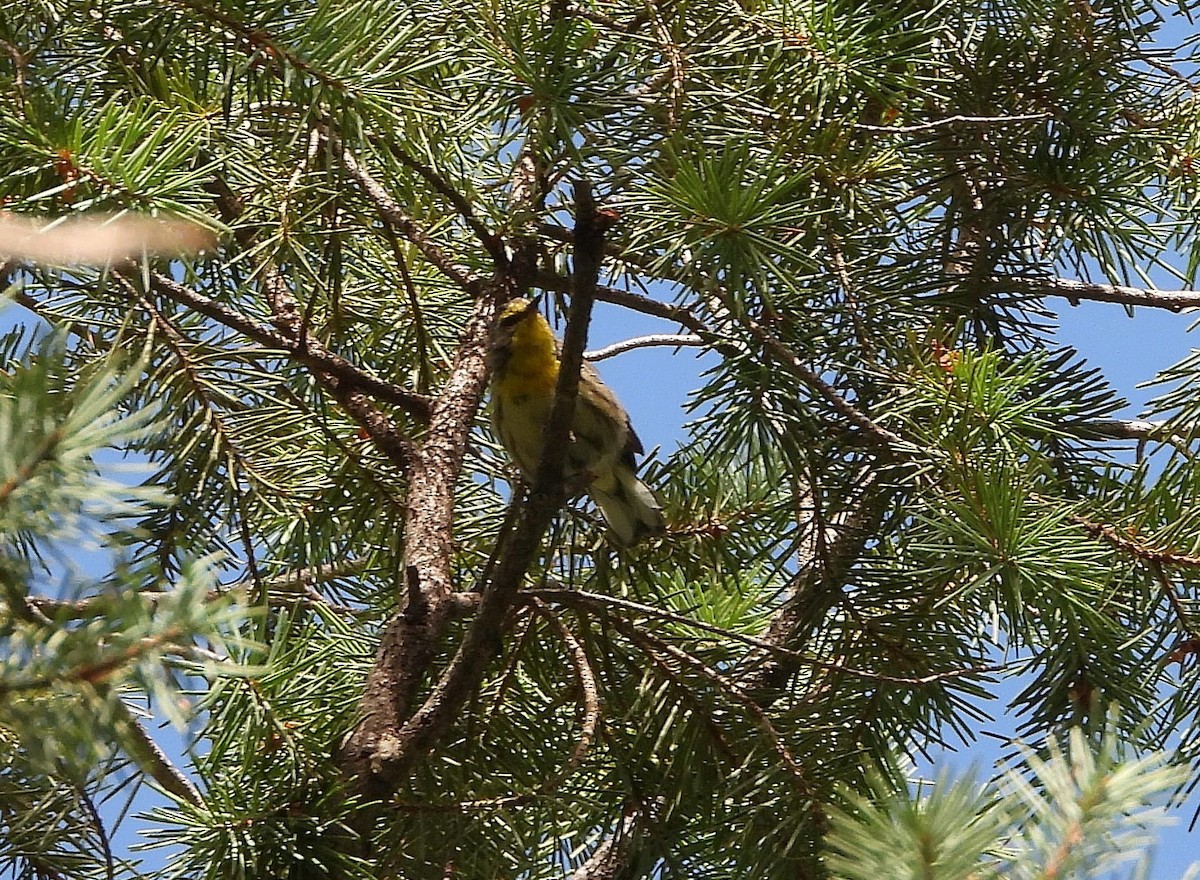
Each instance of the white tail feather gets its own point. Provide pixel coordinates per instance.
(629, 507)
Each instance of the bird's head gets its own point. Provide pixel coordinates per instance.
(518, 318)
(517, 310)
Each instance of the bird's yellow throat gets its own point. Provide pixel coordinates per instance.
(532, 361)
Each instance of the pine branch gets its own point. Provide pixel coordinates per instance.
(814, 589)
(948, 121)
(675, 340)
(305, 351)
(585, 599)
(492, 243)
(1074, 291)
(374, 753)
(152, 760)
(633, 301)
(283, 591)
(617, 850)
(386, 746)
(398, 217)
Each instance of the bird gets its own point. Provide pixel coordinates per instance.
(602, 444)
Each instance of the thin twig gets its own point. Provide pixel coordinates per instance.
(259, 40)
(101, 832)
(588, 687)
(1129, 543)
(954, 120)
(287, 589)
(789, 361)
(19, 61)
(1131, 429)
(675, 60)
(153, 760)
(424, 361)
(634, 301)
(491, 242)
(398, 217)
(1183, 617)
(600, 600)
(591, 721)
(842, 270)
(418, 405)
(726, 684)
(1073, 291)
(675, 340)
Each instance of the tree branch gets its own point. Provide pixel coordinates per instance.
(1131, 429)
(634, 301)
(305, 351)
(953, 120)
(394, 214)
(373, 754)
(815, 589)
(674, 340)
(152, 760)
(491, 242)
(612, 857)
(407, 742)
(1074, 291)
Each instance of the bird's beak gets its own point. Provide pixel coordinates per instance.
(534, 302)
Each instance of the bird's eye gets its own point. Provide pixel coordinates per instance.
(520, 311)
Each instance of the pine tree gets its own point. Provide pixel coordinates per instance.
(897, 493)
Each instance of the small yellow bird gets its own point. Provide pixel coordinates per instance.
(602, 446)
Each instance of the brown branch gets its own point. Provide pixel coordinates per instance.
(1074, 291)
(152, 760)
(97, 824)
(375, 751)
(20, 61)
(1131, 429)
(394, 214)
(424, 364)
(675, 340)
(616, 250)
(345, 381)
(25, 471)
(30, 302)
(879, 435)
(686, 318)
(96, 672)
(491, 242)
(284, 590)
(634, 301)
(306, 352)
(954, 120)
(815, 589)
(611, 858)
(590, 698)
(1182, 616)
(589, 690)
(1128, 542)
(675, 60)
(350, 386)
(601, 600)
(386, 747)
(655, 644)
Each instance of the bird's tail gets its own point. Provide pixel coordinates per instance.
(628, 505)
